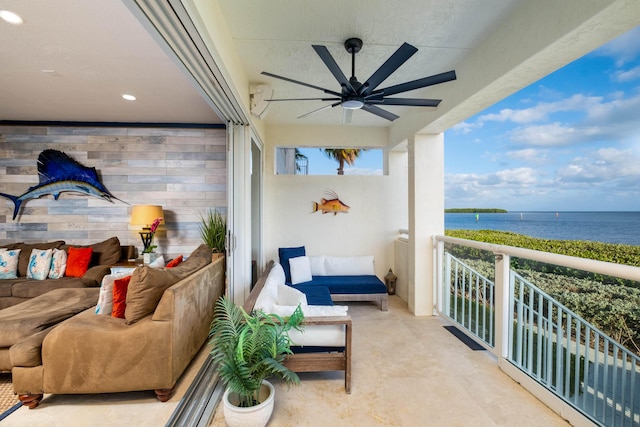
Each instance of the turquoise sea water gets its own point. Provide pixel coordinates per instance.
(609, 227)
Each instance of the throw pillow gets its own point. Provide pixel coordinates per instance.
(177, 260)
(39, 264)
(317, 265)
(105, 298)
(78, 261)
(120, 287)
(58, 264)
(285, 254)
(300, 270)
(9, 263)
(145, 291)
(290, 296)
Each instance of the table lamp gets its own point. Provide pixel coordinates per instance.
(145, 215)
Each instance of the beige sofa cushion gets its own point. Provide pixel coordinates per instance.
(106, 252)
(22, 320)
(148, 284)
(146, 287)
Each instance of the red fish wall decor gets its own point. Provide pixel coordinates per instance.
(330, 204)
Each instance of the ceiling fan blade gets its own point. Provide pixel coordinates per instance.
(304, 99)
(417, 84)
(399, 57)
(412, 102)
(319, 109)
(347, 113)
(379, 112)
(287, 79)
(331, 64)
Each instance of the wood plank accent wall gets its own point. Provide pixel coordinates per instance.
(182, 169)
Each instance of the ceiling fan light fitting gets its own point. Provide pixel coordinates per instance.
(352, 104)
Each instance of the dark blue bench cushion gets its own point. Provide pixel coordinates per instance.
(316, 295)
(364, 284)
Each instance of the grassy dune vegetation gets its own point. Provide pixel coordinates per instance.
(611, 304)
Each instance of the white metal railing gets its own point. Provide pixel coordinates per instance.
(470, 299)
(521, 324)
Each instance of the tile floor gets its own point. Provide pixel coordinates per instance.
(407, 371)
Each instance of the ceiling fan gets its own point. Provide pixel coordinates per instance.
(366, 96)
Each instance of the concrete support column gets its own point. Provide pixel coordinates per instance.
(426, 217)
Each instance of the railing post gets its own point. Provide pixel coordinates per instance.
(502, 308)
(439, 282)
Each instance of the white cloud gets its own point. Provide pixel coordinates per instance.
(614, 120)
(542, 110)
(606, 166)
(465, 127)
(627, 75)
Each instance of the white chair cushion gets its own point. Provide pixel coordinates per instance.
(349, 266)
(300, 270)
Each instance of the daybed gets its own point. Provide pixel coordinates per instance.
(167, 318)
(22, 288)
(346, 278)
(325, 342)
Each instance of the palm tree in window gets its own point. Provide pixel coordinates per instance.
(342, 156)
(302, 163)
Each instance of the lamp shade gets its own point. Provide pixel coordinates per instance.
(145, 214)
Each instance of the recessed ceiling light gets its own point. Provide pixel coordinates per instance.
(10, 17)
(129, 97)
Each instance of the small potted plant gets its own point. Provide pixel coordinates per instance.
(248, 349)
(213, 230)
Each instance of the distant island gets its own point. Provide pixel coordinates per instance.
(475, 210)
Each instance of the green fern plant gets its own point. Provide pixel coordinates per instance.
(250, 348)
(213, 230)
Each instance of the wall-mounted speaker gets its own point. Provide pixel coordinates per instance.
(259, 104)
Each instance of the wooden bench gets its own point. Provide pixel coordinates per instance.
(338, 360)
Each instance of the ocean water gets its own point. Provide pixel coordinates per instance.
(608, 227)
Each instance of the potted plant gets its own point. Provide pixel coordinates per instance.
(213, 230)
(248, 349)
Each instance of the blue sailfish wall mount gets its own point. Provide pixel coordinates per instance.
(57, 172)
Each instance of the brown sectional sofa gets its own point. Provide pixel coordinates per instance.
(105, 254)
(167, 320)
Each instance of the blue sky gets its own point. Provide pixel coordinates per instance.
(570, 141)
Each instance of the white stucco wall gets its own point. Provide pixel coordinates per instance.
(378, 203)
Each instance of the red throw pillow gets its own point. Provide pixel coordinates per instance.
(177, 260)
(120, 287)
(78, 260)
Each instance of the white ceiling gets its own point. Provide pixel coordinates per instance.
(100, 50)
(276, 36)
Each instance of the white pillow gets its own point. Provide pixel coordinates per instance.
(157, 263)
(39, 264)
(317, 265)
(300, 270)
(288, 295)
(58, 264)
(349, 266)
(105, 298)
(9, 263)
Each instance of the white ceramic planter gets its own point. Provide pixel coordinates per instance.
(255, 416)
